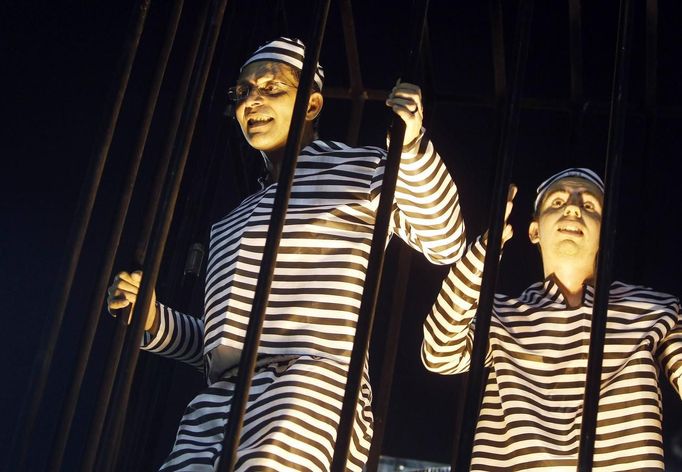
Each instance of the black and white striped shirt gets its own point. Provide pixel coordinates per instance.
(320, 269)
(538, 347)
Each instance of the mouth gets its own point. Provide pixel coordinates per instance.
(571, 229)
(257, 121)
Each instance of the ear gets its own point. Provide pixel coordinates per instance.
(534, 232)
(315, 103)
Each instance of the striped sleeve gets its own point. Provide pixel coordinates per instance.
(179, 337)
(426, 211)
(670, 350)
(448, 329)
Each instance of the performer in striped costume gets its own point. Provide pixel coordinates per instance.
(538, 347)
(295, 401)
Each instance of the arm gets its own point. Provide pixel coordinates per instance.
(670, 349)
(449, 327)
(167, 332)
(426, 212)
(179, 336)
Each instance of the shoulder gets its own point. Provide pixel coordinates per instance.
(320, 148)
(625, 292)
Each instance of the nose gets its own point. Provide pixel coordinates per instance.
(572, 207)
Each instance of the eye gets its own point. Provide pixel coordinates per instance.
(556, 203)
(238, 92)
(589, 206)
(271, 88)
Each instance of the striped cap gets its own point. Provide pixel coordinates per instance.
(288, 51)
(581, 172)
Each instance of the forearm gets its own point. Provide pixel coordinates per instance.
(429, 216)
(177, 336)
(448, 329)
(670, 353)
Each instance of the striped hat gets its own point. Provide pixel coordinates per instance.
(288, 51)
(580, 172)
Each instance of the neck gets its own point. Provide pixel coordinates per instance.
(571, 279)
(276, 156)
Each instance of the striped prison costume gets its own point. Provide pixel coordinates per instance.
(295, 402)
(537, 353)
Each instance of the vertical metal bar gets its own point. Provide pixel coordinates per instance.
(614, 154)
(383, 396)
(152, 264)
(86, 201)
(247, 361)
(507, 145)
(363, 330)
(104, 393)
(358, 94)
(69, 406)
(576, 59)
(500, 84)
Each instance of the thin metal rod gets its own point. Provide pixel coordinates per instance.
(357, 89)
(104, 394)
(505, 152)
(43, 359)
(69, 406)
(614, 154)
(363, 330)
(247, 361)
(397, 310)
(152, 264)
(578, 105)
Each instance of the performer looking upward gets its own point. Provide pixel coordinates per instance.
(295, 400)
(539, 342)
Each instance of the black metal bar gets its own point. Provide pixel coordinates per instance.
(392, 336)
(363, 330)
(578, 107)
(43, 359)
(506, 149)
(104, 394)
(152, 262)
(247, 361)
(69, 406)
(499, 61)
(614, 154)
(357, 89)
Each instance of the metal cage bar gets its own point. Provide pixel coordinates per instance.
(97, 422)
(69, 406)
(505, 152)
(614, 153)
(45, 354)
(363, 330)
(131, 347)
(247, 362)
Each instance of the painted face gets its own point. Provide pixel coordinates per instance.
(568, 221)
(265, 113)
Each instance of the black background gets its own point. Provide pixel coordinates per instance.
(58, 63)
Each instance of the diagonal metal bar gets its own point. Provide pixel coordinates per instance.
(86, 201)
(104, 394)
(607, 236)
(363, 330)
(358, 95)
(69, 406)
(578, 105)
(392, 337)
(247, 362)
(152, 264)
(506, 149)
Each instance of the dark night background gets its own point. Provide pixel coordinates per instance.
(58, 63)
